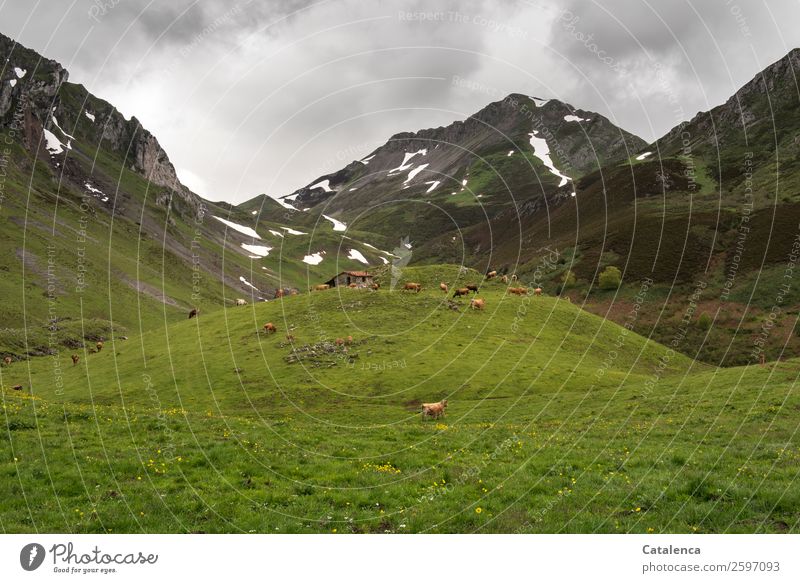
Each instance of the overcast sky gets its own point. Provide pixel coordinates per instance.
(250, 96)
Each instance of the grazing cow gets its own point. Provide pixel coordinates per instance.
(491, 274)
(279, 293)
(99, 346)
(293, 292)
(339, 342)
(75, 359)
(504, 279)
(348, 340)
(461, 291)
(353, 285)
(17, 387)
(477, 303)
(538, 291)
(193, 313)
(514, 277)
(415, 287)
(241, 302)
(520, 291)
(434, 410)
(443, 286)
(473, 287)
(321, 287)
(376, 286)
(270, 328)
(7, 360)
(290, 338)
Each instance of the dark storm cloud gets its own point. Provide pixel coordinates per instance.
(657, 62)
(250, 96)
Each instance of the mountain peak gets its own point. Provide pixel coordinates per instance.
(441, 161)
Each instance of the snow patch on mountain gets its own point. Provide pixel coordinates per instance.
(323, 184)
(337, 225)
(54, 145)
(276, 233)
(356, 255)
(96, 191)
(415, 171)
(314, 259)
(539, 102)
(574, 118)
(12, 82)
(405, 165)
(286, 205)
(89, 115)
(433, 185)
(20, 73)
(542, 151)
(257, 250)
(66, 135)
(643, 155)
(293, 232)
(510, 153)
(236, 227)
(366, 160)
(247, 283)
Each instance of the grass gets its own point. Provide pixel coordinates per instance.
(558, 421)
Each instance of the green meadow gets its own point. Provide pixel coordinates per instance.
(557, 421)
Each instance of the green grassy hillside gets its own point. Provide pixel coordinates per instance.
(558, 421)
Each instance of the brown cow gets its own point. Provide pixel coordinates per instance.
(504, 279)
(434, 410)
(514, 277)
(415, 287)
(520, 291)
(193, 313)
(290, 338)
(8, 360)
(353, 285)
(461, 291)
(99, 346)
(443, 286)
(339, 342)
(491, 274)
(321, 287)
(270, 328)
(75, 359)
(538, 291)
(348, 340)
(376, 286)
(473, 287)
(293, 292)
(279, 293)
(17, 387)
(477, 303)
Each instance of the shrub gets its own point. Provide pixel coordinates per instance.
(610, 278)
(704, 321)
(568, 279)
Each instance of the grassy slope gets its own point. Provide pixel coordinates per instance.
(204, 426)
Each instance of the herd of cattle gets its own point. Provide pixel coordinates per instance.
(432, 410)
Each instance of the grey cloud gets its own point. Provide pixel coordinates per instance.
(256, 96)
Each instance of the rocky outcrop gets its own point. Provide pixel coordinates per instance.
(31, 101)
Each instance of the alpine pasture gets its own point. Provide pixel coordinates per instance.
(557, 421)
